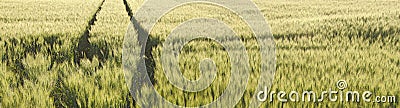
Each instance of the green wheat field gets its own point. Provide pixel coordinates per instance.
(68, 53)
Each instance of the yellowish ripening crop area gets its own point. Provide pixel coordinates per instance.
(68, 53)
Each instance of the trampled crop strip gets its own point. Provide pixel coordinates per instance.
(84, 47)
(128, 9)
